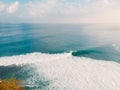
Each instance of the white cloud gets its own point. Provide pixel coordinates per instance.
(106, 2)
(61, 11)
(66, 11)
(13, 8)
(40, 8)
(2, 6)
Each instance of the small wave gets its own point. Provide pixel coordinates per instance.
(107, 53)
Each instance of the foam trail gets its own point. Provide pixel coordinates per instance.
(66, 72)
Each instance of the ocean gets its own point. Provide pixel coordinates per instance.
(61, 56)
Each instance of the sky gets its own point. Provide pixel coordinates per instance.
(60, 11)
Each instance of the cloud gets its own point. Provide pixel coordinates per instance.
(72, 12)
(13, 8)
(40, 8)
(2, 6)
(50, 10)
(106, 2)
(66, 11)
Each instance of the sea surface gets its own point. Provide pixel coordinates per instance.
(61, 56)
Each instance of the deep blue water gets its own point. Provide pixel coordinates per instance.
(54, 38)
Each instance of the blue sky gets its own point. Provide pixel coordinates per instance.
(60, 11)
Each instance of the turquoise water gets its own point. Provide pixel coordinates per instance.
(18, 39)
(96, 42)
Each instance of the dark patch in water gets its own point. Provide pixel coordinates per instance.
(26, 73)
(85, 52)
(107, 53)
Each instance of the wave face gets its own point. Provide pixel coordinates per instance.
(61, 72)
(107, 52)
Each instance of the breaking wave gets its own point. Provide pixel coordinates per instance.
(62, 72)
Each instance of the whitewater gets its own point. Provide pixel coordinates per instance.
(66, 72)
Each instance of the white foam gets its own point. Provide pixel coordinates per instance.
(30, 58)
(71, 73)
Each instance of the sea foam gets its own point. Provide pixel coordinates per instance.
(66, 72)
